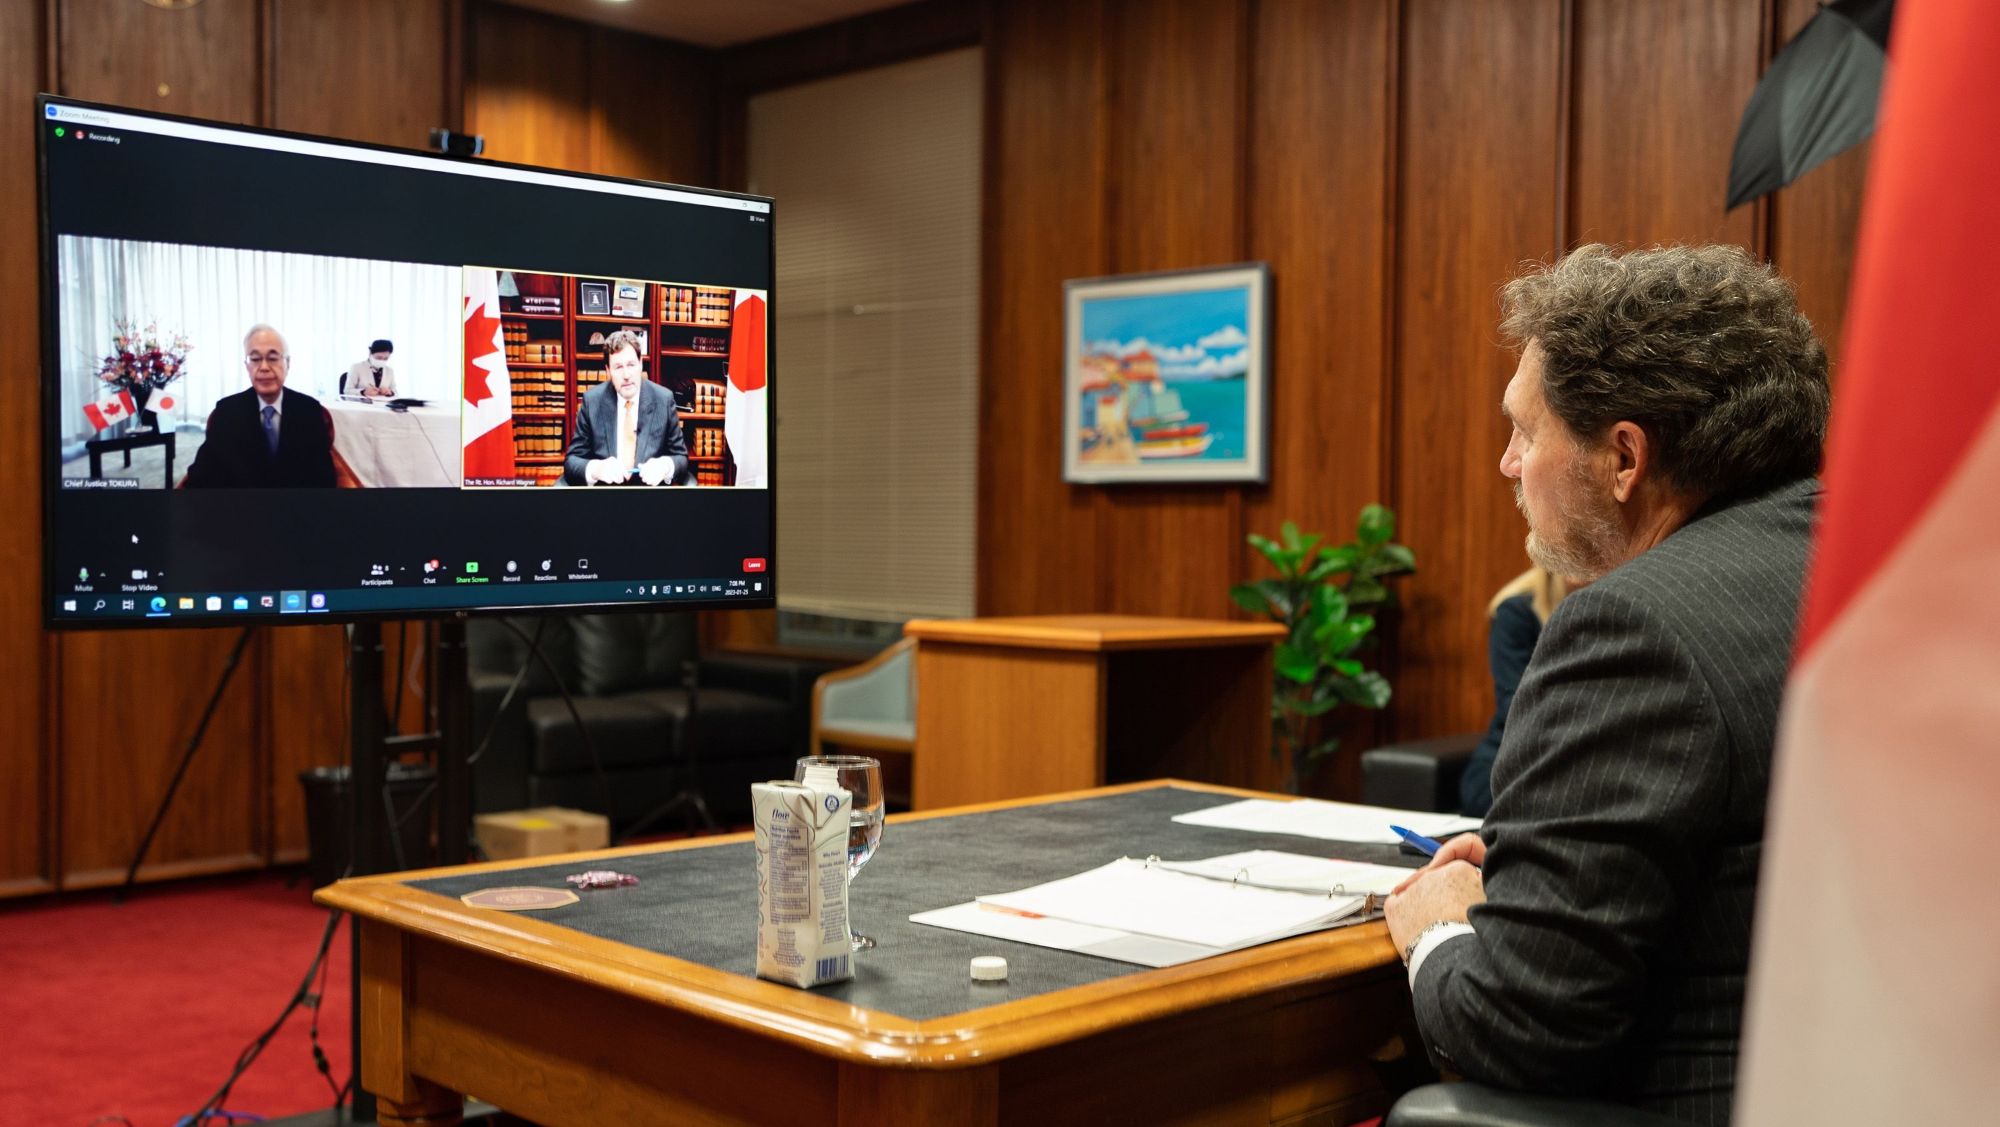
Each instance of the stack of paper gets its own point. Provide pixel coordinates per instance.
(1158, 913)
(1329, 821)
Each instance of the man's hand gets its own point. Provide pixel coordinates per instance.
(656, 471)
(602, 471)
(1438, 892)
(1465, 847)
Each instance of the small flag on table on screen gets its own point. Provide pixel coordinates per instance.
(106, 412)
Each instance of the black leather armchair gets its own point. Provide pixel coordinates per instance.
(1417, 774)
(661, 717)
(1476, 1105)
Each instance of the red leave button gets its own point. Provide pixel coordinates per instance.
(753, 563)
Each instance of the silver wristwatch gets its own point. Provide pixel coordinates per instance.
(1418, 941)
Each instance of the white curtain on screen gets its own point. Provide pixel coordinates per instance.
(328, 309)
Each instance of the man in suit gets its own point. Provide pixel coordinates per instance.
(266, 436)
(1594, 936)
(372, 378)
(627, 423)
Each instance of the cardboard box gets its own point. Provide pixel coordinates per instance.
(540, 832)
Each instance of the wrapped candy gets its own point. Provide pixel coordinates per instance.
(600, 878)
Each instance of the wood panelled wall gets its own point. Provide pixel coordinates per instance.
(95, 722)
(91, 725)
(1394, 161)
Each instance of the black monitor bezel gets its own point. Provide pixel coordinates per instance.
(51, 413)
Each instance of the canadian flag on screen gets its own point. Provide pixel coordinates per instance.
(743, 422)
(1874, 979)
(487, 421)
(105, 412)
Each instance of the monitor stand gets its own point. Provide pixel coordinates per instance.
(369, 747)
(187, 757)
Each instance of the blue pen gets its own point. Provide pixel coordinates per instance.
(1425, 845)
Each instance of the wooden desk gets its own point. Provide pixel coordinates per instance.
(569, 1029)
(1013, 707)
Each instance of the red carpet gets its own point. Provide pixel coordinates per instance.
(140, 1009)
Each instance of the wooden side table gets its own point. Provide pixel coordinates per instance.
(1014, 707)
(125, 444)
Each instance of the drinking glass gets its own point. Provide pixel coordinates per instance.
(861, 777)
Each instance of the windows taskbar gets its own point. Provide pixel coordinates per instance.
(400, 599)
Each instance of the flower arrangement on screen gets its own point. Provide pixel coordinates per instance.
(142, 360)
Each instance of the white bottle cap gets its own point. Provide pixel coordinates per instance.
(989, 968)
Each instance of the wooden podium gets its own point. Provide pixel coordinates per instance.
(1015, 707)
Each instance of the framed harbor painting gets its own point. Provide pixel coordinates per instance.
(1166, 376)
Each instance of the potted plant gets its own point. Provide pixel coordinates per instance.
(140, 363)
(1322, 596)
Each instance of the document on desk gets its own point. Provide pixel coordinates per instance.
(1328, 821)
(1160, 913)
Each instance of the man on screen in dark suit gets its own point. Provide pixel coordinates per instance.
(1594, 936)
(627, 423)
(266, 436)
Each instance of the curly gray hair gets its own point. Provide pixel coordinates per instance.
(1702, 346)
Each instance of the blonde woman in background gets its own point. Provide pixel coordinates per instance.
(1514, 621)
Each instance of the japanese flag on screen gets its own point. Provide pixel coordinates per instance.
(105, 412)
(487, 421)
(744, 419)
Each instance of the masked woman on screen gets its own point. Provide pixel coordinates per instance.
(372, 378)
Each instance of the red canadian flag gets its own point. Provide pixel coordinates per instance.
(744, 420)
(1875, 979)
(487, 421)
(105, 412)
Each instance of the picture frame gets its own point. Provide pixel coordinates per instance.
(1166, 376)
(594, 298)
(628, 299)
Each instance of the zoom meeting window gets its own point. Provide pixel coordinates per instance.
(297, 376)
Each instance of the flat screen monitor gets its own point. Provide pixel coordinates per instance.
(294, 379)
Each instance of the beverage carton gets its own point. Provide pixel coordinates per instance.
(802, 936)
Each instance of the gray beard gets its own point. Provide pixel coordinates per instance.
(1587, 549)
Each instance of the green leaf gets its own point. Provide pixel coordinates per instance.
(1392, 559)
(1322, 749)
(1329, 611)
(1365, 590)
(1289, 534)
(1251, 598)
(1295, 664)
(1329, 597)
(1370, 690)
(1271, 551)
(1332, 561)
(1320, 707)
(1343, 554)
(1332, 638)
(1348, 667)
(1377, 525)
(1340, 638)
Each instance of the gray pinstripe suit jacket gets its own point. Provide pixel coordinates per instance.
(1627, 826)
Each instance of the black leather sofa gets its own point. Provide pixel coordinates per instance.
(660, 716)
(1417, 774)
